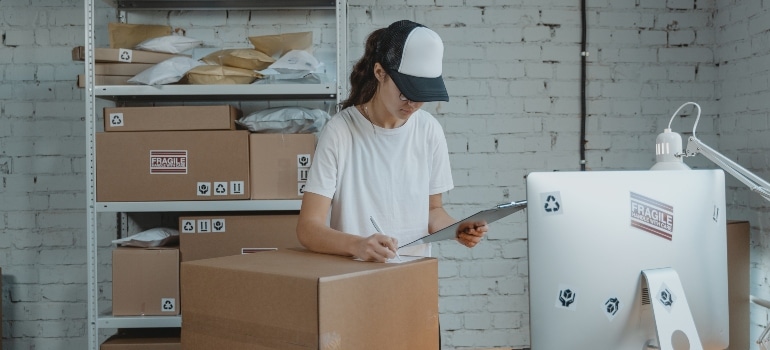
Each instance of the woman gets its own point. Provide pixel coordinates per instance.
(382, 156)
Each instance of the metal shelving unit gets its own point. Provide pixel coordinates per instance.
(180, 206)
(97, 319)
(221, 93)
(109, 321)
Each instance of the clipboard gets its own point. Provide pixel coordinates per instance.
(488, 215)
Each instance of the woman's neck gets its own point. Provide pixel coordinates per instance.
(377, 114)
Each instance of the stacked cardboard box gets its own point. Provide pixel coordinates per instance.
(115, 66)
(170, 118)
(204, 237)
(145, 282)
(195, 153)
(738, 282)
(203, 158)
(172, 165)
(279, 164)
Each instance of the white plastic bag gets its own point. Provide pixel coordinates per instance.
(285, 120)
(167, 72)
(154, 237)
(169, 44)
(296, 61)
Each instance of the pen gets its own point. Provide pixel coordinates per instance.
(377, 227)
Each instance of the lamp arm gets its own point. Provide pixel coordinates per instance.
(754, 182)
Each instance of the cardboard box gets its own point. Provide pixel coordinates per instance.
(104, 80)
(203, 237)
(131, 35)
(129, 69)
(279, 164)
(145, 282)
(102, 54)
(172, 165)
(292, 299)
(144, 339)
(738, 282)
(169, 118)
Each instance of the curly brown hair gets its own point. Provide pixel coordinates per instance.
(363, 84)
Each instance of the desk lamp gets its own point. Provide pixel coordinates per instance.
(669, 156)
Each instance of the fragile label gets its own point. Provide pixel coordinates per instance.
(188, 226)
(303, 160)
(652, 216)
(168, 162)
(203, 226)
(566, 298)
(611, 306)
(220, 188)
(237, 187)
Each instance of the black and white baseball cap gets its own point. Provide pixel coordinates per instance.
(412, 54)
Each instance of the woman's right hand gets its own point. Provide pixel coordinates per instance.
(377, 247)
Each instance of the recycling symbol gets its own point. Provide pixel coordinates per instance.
(551, 204)
(125, 56)
(116, 120)
(221, 189)
(167, 304)
(188, 226)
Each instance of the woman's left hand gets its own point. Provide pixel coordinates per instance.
(470, 233)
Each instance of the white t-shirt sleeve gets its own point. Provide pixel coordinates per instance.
(322, 178)
(441, 175)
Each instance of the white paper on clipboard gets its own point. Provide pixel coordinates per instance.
(488, 215)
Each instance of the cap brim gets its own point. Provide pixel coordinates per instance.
(419, 89)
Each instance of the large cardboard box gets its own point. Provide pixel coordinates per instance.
(169, 118)
(279, 164)
(292, 299)
(203, 237)
(172, 165)
(102, 54)
(145, 282)
(738, 282)
(144, 339)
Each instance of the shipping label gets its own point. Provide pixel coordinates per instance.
(168, 162)
(652, 216)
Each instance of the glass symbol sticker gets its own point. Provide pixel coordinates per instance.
(566, 297)
(666, 297)
(611, 307)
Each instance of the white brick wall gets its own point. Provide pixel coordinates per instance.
(743, 30)
(513, 76)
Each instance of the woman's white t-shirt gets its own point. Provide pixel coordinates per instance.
(387, 174)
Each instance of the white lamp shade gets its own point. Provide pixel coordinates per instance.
(668, 152)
